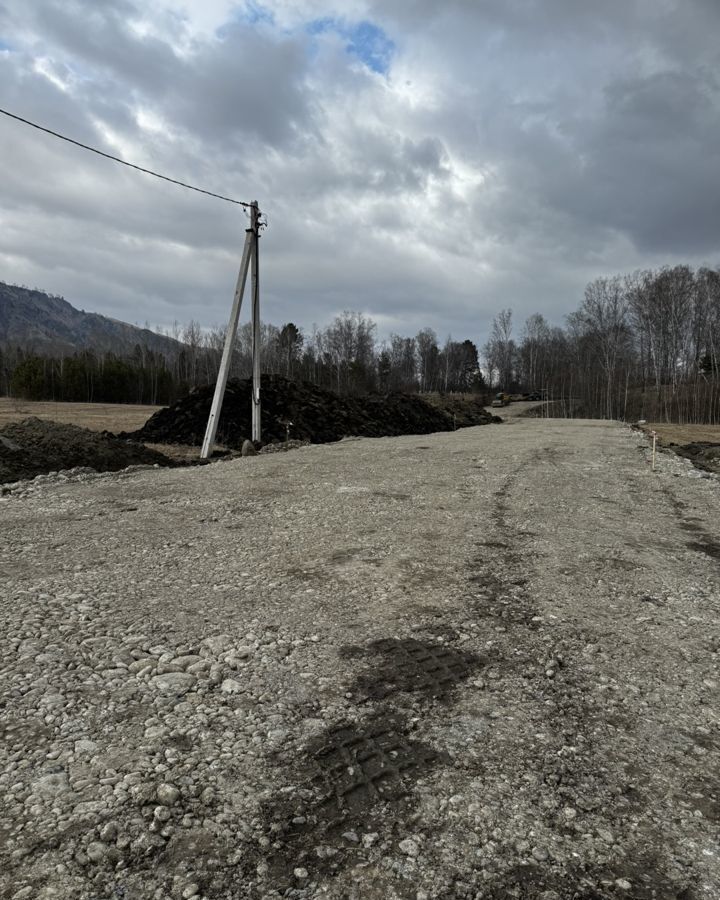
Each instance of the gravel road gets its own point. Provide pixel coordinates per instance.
(480, 664)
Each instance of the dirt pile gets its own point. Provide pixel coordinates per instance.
(317, 415)
(464, 410)
(34, 447)
(702, 455)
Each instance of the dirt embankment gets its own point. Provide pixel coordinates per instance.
(34, 447)
(465, 410)
(702, 455)
(304, 412)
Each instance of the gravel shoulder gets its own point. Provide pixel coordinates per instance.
(478, 664)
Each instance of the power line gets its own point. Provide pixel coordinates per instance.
(123, 162)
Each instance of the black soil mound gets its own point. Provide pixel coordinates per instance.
(464, 410)
(703, 455)
(34, 447)
(317, 415)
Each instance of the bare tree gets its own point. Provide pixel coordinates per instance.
(428, 354)
(532, 356)
(500, 351)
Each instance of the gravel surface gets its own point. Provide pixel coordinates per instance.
(477, 664)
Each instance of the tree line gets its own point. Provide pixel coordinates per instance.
(345, 357)
(645, 345)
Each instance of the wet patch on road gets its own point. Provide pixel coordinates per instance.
(707, 546)
(617, 562)
(500, 596)
(703, 794)
(655, 601)
(497, 574)
(639, 879)
(705, 543)
(411, 666)
(359, 767)
(355, 779)
(392, 495)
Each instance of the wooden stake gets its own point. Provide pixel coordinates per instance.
(654, 437)
(224, 371)
(255, 225)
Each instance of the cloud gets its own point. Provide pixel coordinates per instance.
(426, 163)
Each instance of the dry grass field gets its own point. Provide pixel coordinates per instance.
(684, 434)
(113, 417)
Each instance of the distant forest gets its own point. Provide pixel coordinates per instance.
(645, 345)
(344, 357)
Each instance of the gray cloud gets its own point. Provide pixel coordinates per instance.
(245, 84)
(99, 41)
(515, 150)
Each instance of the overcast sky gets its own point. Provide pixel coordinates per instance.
(425, 162)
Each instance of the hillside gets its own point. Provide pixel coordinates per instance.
(45, 324)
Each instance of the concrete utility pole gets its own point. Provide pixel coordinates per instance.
(255, 226)
(250, 250)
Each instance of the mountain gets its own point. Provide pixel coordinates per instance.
(49, 325)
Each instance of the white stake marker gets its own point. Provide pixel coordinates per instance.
(654, 437)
